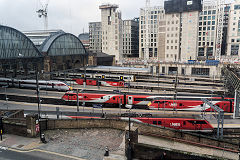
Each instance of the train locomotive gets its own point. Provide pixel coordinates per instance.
(148, 101)
(47, 85)
(184, 124)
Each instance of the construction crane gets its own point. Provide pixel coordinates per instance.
(43, 12)
(220, 15)
(147, 11)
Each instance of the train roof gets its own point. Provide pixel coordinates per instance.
(116, 68)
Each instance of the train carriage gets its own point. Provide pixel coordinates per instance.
(185, 124)
(148, 102)
(50, 85)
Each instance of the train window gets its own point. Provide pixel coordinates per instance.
(197, 122)
(101, 97)
(139, 99)
(159, 122)
(154, 122)
(85, 96)
(113, 98)
(130, 97)
(180, 104)
(201, 105)
(184, 122)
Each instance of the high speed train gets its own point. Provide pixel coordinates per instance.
(47, 85)
(184, 124)
(149, 101)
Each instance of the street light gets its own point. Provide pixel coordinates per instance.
(129, 155)
(6, 95)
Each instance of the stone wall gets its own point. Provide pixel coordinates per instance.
(145, 151)
(21, 126)
(144, 129)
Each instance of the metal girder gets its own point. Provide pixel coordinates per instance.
(220, 116)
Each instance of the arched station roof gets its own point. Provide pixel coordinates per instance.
(14, 44)
(61, 44)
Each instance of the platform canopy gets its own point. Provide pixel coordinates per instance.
(15, 45)
(62, 44)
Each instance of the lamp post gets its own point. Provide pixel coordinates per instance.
(38, 101)
(6, 95)
(77, 103)
(129, 149)
(83, 102)
(164, 101)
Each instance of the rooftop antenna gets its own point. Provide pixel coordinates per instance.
(43, 12)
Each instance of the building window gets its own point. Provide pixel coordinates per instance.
(234, 49)
(214, 12)
(175, 47)
(213, 27)
(167, 47)
(200, 23)
(209, 22)
(234, 24)
(209, 17)
(167, 41)
(213, 22)
(200, 33)
(232, 40)
(171, 47)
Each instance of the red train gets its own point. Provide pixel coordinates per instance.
(96, 82)
(185, 124)
(148, 102)
(224, 103)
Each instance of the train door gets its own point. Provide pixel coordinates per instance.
(124, 100)
(231, 106)
(130, 100)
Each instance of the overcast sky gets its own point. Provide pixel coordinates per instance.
(69, 15)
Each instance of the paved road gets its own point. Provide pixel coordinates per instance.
(37, 154)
